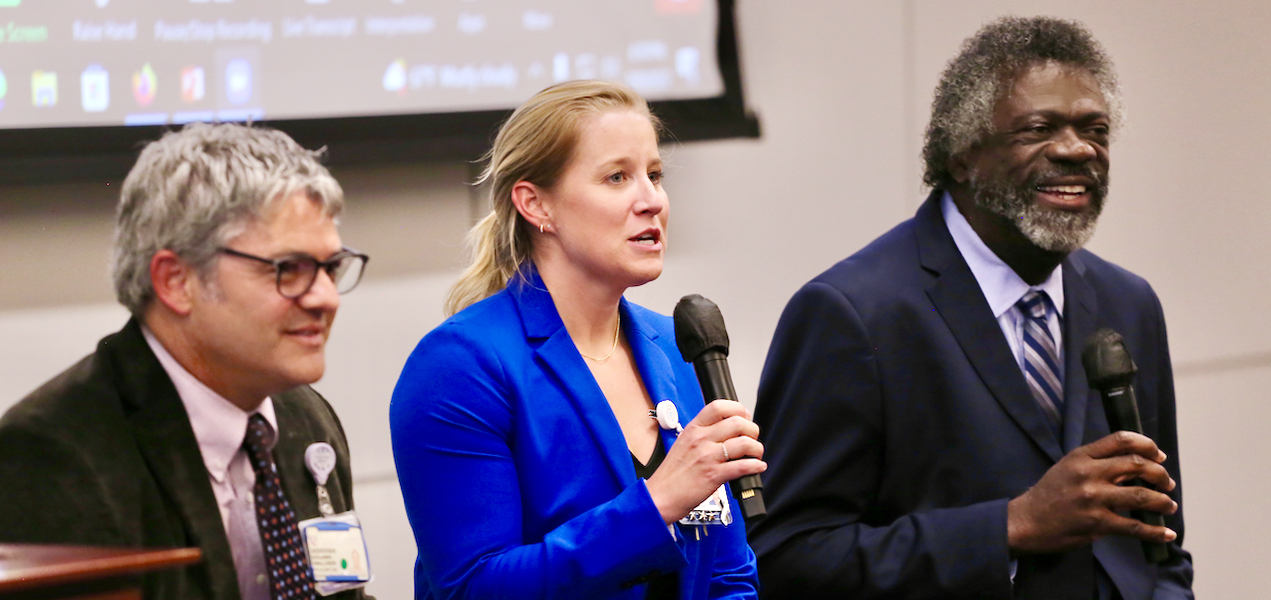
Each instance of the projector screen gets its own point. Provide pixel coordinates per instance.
(78, 77)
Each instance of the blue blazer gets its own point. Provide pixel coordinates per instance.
(517, 478)
(897, 425)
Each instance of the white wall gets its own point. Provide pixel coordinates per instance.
(843, 90)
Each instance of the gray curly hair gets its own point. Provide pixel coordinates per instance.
(986, 68)
(194, 190)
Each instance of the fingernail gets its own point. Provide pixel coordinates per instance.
(1170, 535)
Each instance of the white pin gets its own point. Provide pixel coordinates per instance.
(320, 458)
(668, 416)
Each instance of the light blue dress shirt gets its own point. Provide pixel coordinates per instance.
(1003, 287)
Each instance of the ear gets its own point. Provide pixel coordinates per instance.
(530, 200)
(175, 281)
(959, 168)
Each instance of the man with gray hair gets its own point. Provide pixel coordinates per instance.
(929, 428)
(191, 426)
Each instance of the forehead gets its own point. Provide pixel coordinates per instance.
(613, 135)
(1051, 88)
(294, 222)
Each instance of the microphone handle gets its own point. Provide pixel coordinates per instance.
(1122, 411)
(717, 383)
(715, 377)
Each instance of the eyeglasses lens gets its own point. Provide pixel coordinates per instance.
(295, 276)
(347, 273)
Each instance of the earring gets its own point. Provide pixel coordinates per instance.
(542, 227)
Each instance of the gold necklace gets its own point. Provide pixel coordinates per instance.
(616, 330)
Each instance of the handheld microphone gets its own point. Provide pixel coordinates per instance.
(1110, 370)
(703, 341)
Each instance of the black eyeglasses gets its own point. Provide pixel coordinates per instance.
(296, 274)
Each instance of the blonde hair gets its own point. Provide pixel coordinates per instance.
(535, 145)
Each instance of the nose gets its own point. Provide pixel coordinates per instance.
(322, 295)
(652, 198)
(1071, 147)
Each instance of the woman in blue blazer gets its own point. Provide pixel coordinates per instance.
(522, 429)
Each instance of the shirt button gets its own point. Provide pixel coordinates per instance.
(261, 579)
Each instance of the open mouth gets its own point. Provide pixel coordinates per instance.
(1070, 196)
(648, 237)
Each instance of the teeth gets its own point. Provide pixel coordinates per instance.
(1063, 189)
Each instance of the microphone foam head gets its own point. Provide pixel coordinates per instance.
(1106, 360)
(699, 327)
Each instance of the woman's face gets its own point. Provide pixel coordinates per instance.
(608, 212)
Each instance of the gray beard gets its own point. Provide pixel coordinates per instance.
(1047, 228)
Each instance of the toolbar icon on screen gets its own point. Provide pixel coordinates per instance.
(560, 67)
(688, 64)
(94, 85)
(144, 85)
(44, 88)
(395, 77)
(192, 84)
(238, 81)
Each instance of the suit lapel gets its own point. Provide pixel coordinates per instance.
(960, 302)
(166, 440)
(555, 350)
(656, 370)
(294, 437)
(1081, 306)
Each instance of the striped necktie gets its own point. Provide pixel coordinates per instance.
(285, 557)
(1041, 359)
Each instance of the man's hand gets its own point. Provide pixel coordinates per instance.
(1077, 500)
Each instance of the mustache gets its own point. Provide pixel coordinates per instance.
(1087, 170)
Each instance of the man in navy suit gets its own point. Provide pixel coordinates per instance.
(929, 428)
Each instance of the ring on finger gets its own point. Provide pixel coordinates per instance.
(725, 447)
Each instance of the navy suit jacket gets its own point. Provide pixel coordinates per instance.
(517, 478)
(897, 425)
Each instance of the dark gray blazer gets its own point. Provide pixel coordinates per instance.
(104, 454)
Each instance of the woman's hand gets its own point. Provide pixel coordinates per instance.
(719, 445)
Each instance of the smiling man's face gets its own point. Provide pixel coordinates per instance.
(250, 341)
(1045, 166)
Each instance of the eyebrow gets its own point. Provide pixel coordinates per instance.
(1060, 115)
(301, 254)
(623, 162)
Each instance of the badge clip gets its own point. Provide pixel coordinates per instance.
(668, 416)
(320, 459)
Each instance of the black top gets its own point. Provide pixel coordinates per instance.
(662, 587)
(644, 471)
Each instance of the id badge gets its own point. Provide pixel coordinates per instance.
(337, 552)
(714, 510)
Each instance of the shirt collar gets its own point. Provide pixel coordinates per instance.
(219, 425)
(1001, 285)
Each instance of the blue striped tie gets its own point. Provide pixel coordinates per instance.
(1041, 360)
